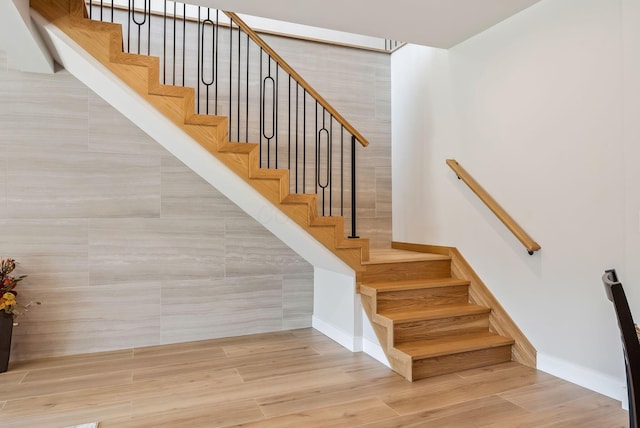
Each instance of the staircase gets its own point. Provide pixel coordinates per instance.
(423, 318)
(429, 316)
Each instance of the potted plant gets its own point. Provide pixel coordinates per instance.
(9, 308)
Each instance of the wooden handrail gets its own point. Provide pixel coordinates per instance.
(491, 203)
(306, 86)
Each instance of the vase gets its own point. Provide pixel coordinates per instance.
(6, 329)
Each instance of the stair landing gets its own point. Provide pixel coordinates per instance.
(391, 255)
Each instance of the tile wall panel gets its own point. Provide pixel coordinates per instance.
(251, 251)
(67, 184)
(185, 194)
(192, 309)
(3, 61)
(297, 300)
(89, 319)
(111, 132)
(4, 166)
(53, 252)
(43, 113)
(122, 250)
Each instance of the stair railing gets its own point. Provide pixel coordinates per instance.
(491, 203)
(237, 74)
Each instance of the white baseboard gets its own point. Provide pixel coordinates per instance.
(375, 351)
(585, 377)
(352, 343)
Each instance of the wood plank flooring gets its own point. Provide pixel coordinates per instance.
(284, 379)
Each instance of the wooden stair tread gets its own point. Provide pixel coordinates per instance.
(300, 198)
(417, 284)
(390, 255)
(453, 345)
(434, 312)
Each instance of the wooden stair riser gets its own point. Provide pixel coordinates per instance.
(441, 327)
(413, 299)
(435, 366)
(407, 271)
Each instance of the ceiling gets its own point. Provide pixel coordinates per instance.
(437, 23)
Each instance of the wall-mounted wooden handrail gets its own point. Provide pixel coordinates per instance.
(491, 203)
(305, 85)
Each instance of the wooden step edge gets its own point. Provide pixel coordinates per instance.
(433, 313)
(450, 345)
(207, 120)
(300, 198)
(239, 148)
(418, 284)
(425, 258)
(268, 173)
(326, 221)
(353, 242)
(121, 57)
(171, 91)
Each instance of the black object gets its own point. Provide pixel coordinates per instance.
(630, 343)
(6, 329)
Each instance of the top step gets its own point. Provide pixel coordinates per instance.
(384, 256)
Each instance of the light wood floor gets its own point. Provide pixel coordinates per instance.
(297, 378)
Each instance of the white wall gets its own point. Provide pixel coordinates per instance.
(20, 39)
(534, 109)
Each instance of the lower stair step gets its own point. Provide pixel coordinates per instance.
(434, 312)
(455, 353)
(436, 322)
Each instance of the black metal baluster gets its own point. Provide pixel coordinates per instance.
(330, 167)
(129, 27)
(261, 112)
(322, 182)
(297, 114)
(239, 85)
(304, 141)
(203, 78)
(316, 148)
(149, 31)
(164, 45)
(139, 23)
(184, 41)
(217, 51)
(268, 136)
(353, 188)
(199, 65)
(275, 110)
(230, 118)
(111, 10)
(246, 123)
(101, 9)
(173, 79)
(289, 125)
(342, 170)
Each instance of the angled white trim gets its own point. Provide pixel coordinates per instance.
(352, 343)
(26, 51)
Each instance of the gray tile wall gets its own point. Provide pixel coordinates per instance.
(127, 247)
